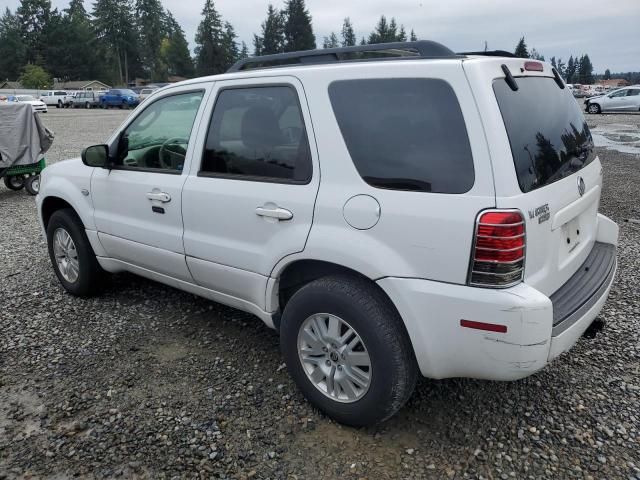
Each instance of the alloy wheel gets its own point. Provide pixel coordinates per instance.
(66, 255)
(334, 357)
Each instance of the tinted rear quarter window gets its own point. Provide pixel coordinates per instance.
(405, 133)
(548, 134)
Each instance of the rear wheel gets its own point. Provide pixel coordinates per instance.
(32, 185)
(87, 105)
(347, 350)
(71, 254)
(593, 108)
(14, 182)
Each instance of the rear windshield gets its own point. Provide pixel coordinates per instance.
(548, 134)
(405, 133)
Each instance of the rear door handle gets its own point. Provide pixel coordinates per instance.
(274, 212)
(160, 196)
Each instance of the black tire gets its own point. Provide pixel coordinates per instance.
(90, 274)
(87, 105)
(14, 182)
(59, 105)
(32, 184)
(594, 108)
(370, 313)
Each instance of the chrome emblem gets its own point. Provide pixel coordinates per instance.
(581, 186)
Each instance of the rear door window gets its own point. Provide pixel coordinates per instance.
(548, 134)
(258, 133)
(405, 133)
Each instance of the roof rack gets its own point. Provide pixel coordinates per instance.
(379, 51)
(490, 53)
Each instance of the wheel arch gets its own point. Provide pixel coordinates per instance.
(50, 205)
(301, 271)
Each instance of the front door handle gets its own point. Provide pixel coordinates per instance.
(274, 212)
(160, 196)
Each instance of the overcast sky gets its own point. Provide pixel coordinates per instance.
(609, 31)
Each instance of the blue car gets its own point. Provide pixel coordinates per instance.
(119, 97)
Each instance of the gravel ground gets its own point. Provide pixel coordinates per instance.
(148, 382)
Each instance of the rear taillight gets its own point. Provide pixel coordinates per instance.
(498, 249)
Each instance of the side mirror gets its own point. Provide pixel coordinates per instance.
(96, 156)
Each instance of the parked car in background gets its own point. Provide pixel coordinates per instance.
(119, 97)
(432, 242)
(36, 105)
(86, 99)
(623, 100)
(59, 98)
(145, 92)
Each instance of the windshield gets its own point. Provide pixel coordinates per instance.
(548, 134)
(127, 92)
(25, 98)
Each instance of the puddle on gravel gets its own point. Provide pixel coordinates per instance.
(622, 138)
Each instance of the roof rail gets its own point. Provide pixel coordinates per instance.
(378, 51)
(490, 53)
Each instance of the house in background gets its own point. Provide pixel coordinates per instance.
(614, 83)
(10, 85)
(81, 85)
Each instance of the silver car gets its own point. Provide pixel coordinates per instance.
(622, 100)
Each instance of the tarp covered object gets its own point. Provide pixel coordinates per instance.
(23, 137)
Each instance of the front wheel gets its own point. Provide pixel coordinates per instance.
(347, 349)
(593, 108)
(87, 105)
(14, 182)
(59, 105)
(71, 254)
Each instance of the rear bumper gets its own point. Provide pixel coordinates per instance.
(432, 312)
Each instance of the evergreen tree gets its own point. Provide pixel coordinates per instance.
(535, 55)
(521, 49)
(586, 70)
(244, 52)
(34, 16)
(363, 41)
(388, 32)
(379, 35)
(553, 63)
(570, 71)
(402, 35)
(13, 52)
(607, 74)
(272, 40)
(257, 45)
(298, 32)
(348, 35)
(151, 31)
(413, 37)
(229, 46)
(114, 25)
(331, 41)
(176, 54)
(210, 42)
(71, 48)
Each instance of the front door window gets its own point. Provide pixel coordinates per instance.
(158, 138)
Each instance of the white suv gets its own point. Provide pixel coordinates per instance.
(420, 211)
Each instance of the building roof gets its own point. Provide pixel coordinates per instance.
(14, 85)
(78, 84)
(615, 82)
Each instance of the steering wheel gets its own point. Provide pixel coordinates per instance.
(164, 149)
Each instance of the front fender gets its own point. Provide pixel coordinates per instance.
(67, 181)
